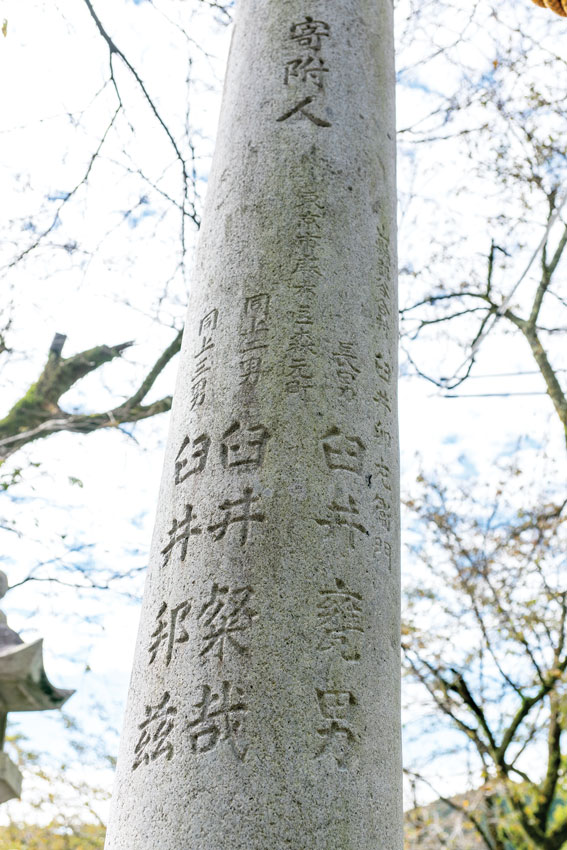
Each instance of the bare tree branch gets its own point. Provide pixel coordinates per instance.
(39, 414)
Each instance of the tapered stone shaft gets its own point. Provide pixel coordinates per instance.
(263, 710)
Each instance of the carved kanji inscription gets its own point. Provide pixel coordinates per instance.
(199, 378)
(220, 718)
(191, 457)
(343, 451)
(299, 375)
(155, 733)
(384, 433)
(243, 447)
(169, 630)
(383, 368)
(309, 33)
(339, 612)
(181, 532)
(384, 550)
(306, 69)
(225, 618)
(337, 730)
(238, 512)
(347, 369)
(382, 397)
(383, 512)
(345, 517)
(384, 474)
(250, 369)
(300, 361)
(253, 337)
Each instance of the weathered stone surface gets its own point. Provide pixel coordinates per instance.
(10, 779)
(264, 704)
(24, 685)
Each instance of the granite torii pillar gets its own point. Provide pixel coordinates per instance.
(263, 710)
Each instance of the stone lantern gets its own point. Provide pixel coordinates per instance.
(24, 686)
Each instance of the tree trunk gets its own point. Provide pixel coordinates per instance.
(264, 704)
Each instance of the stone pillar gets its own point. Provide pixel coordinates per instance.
(263, 711)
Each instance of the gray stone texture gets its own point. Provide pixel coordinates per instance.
(24, 686)
(264, 703)
(10, 779)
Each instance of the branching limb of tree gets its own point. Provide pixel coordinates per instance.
(39, 413)
(484, 826)
(504, 689)
(554, 389)
(187, 207)
(529, 327)
(38, 240)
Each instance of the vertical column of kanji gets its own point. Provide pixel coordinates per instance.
(263, 709)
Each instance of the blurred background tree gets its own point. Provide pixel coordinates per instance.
(484, 318)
